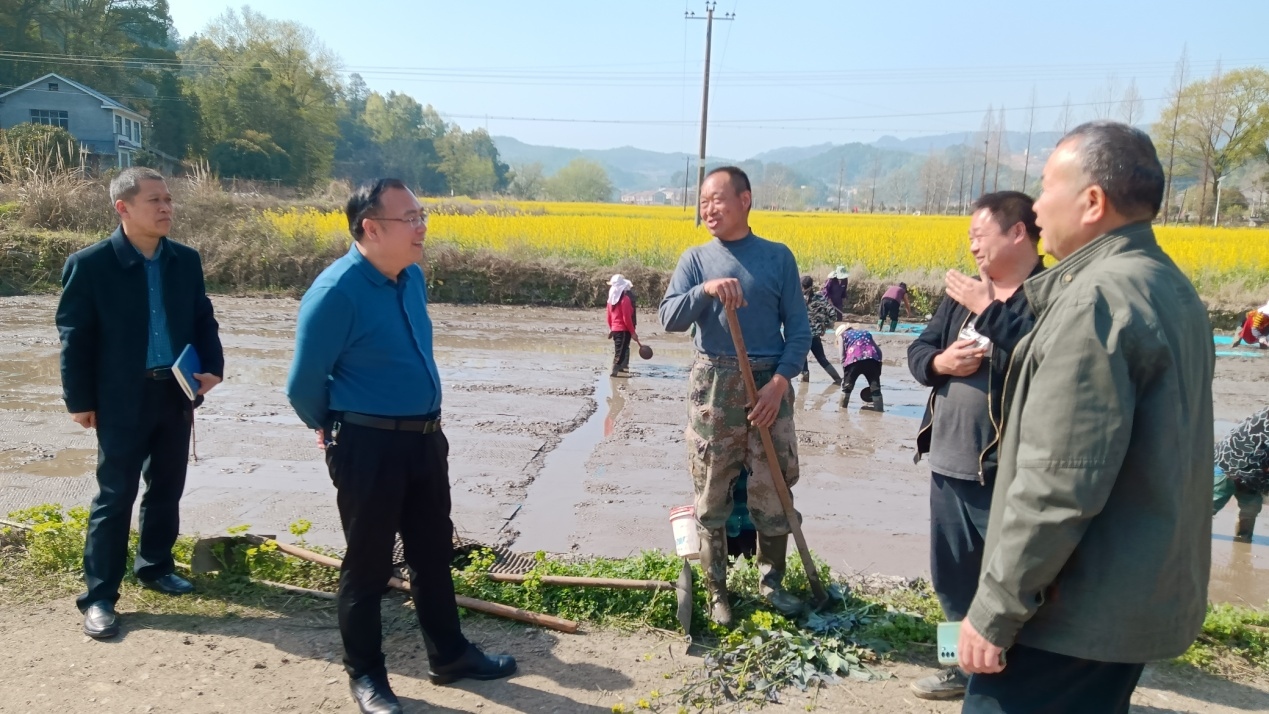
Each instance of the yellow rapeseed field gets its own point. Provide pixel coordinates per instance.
(883, 245)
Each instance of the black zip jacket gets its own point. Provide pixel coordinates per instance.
(1004, 323)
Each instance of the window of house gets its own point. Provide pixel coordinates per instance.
(52, 86)
(118, 124)
(138, 131)
(50, 117)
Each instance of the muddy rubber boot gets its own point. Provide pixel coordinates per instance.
(714, 569)
(806, 375)
(772, 553)
(832, 372)
(1243, 531)
(878, 404)
(845, 400)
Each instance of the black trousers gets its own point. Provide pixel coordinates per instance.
(889, 311)
(621, 351)
(869, 369)
(390, 482)
(1039, 682)
(817, 351)
(958, 528)
(155, 451)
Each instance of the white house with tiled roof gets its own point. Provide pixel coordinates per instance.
(103, 126)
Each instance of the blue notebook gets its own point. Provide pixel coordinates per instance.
(184, 369)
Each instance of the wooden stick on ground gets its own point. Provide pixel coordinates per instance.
(777, 476)
(490, 608)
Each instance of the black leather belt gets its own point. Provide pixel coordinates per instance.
(159, 373)
(416, 425)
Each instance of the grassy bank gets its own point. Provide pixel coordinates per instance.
(880, 620)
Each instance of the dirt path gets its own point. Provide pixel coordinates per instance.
(290, 663)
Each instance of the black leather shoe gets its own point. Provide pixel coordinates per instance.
(474, 664)
(170, 584)
(373, 695)
(100, 620)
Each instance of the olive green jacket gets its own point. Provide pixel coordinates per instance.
(1099, 540)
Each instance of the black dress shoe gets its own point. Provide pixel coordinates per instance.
(474, 664)
(100, 620)
(373, 695)
(170, 584)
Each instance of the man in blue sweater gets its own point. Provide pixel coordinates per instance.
(364, 378)
(760, 279)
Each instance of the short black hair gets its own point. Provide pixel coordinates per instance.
(1010, 208)
(739, 179)
(1123, 161)
(365, 200)
(807, 282)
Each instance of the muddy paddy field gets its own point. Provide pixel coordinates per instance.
(547, 453)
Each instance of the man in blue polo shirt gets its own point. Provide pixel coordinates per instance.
(364, 378)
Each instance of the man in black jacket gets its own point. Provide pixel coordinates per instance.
(963, 354)
(129, 306)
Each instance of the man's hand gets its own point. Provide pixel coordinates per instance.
(88, 420)
(961, 359)
(764, 413)
(977, 655)
(321, 439)
(206, 382)
(727, 290)
(977, 295)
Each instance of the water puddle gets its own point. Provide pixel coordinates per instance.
(63, 462)
(1240, 571)
(549, 519)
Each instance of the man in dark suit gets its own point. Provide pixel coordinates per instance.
(129, 305)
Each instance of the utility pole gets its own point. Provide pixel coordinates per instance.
(1000, 141)
(841, 173)
(982, 190)
(1216, 216)
(960, 190)
(687, 175)
(709, 37)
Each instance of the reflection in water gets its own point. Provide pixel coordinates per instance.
(1235, 575)
(616, 402)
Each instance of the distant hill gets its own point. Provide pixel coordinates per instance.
(632, 169)
(1016, 141)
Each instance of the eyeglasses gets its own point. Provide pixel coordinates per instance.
(415, 221)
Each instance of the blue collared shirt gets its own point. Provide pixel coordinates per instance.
(158, 351)
(363, 344)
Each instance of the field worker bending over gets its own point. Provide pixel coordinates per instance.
(759, 277)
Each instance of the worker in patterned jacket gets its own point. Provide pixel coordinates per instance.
(1242, 472)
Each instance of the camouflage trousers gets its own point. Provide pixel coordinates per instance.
(720, 441)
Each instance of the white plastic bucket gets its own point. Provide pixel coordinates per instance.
(683, 521)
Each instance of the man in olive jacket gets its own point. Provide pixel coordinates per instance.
(1098, 544)
(129, 306)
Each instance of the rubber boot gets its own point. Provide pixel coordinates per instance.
(772, 552)
(832, 372)
(806, 375)
(878, 404)
(845, 400)
(714, 568)
(1243, 531)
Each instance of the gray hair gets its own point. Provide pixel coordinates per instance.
(127, 184)
(1122, 160)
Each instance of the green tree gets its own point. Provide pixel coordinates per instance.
(272, 77)
(175, 118)
(527, 182)
(1222, 124)
(580, 180)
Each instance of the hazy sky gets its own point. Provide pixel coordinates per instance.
(790, 73)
